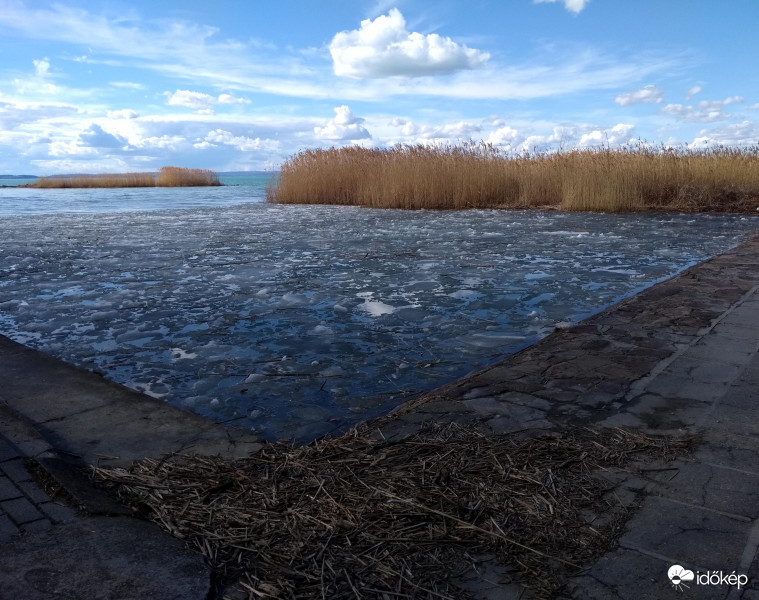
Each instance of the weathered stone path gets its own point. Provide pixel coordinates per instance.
(680, 358)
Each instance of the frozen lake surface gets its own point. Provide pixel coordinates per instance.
(296, 321)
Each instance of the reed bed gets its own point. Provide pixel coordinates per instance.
(481, 176)
(179, 177)
(363, 517)
(166, 177)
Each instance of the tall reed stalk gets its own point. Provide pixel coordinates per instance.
(481, 176)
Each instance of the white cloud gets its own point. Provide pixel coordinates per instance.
(649, 94)
(229, 99)
(344, 126)
(690, 92)
(385, 48)
(574, 6)
(122, 114)
(240, 142)
(506, 137)
(703, 112)
(618, 135)
(41, 67)
(200, 102)
(734, 134)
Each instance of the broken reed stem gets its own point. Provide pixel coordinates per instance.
(362, 517)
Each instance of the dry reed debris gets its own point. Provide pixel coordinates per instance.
(357, 517)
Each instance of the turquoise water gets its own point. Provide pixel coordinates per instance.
(13, 181)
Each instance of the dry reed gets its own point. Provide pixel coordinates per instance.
(166, 177)
(481, 176)
(362, 517)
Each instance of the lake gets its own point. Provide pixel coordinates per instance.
(298, 321)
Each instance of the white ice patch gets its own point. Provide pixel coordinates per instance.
(376, 308)
(179, 354)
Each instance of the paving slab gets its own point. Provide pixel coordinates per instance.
(101, 558)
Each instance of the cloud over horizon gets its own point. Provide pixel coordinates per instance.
(385, 48)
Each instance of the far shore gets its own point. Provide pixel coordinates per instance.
(165, 177)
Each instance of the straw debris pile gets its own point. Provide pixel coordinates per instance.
(357, 517)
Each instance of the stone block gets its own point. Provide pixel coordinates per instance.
(710, 486)
(687, 535)
(8, 490)
(21, 510)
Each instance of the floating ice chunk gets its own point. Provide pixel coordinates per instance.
(322, 330)
(291, 300)
(376, 308)
(536, 275)
(179, 354)
(465, 295)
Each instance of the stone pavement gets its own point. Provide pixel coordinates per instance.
(680, 358)
(79, 543)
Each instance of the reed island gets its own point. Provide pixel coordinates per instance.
(165, 177)
(483, 176)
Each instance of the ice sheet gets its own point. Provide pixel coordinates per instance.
(295, 321)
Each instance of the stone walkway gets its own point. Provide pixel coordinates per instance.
(83, 545)
(681, 358)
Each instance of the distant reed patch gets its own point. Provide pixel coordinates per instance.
(483, 176)
(166, 177)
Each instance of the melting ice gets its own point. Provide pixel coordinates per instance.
(297, 321)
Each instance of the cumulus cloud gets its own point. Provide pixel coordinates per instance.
(733, 134)
(459, 130)
(201, 102)
(618, 135)
(344, 126)
(41, 67)
(690, 92)
(574, 6)
(649, 94)
(506, 137)
(703, 112)
(240, 142)
(97, 137)
(385, 48)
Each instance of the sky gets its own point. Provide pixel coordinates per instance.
(236, 85)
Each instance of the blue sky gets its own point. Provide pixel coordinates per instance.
(238, 85)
